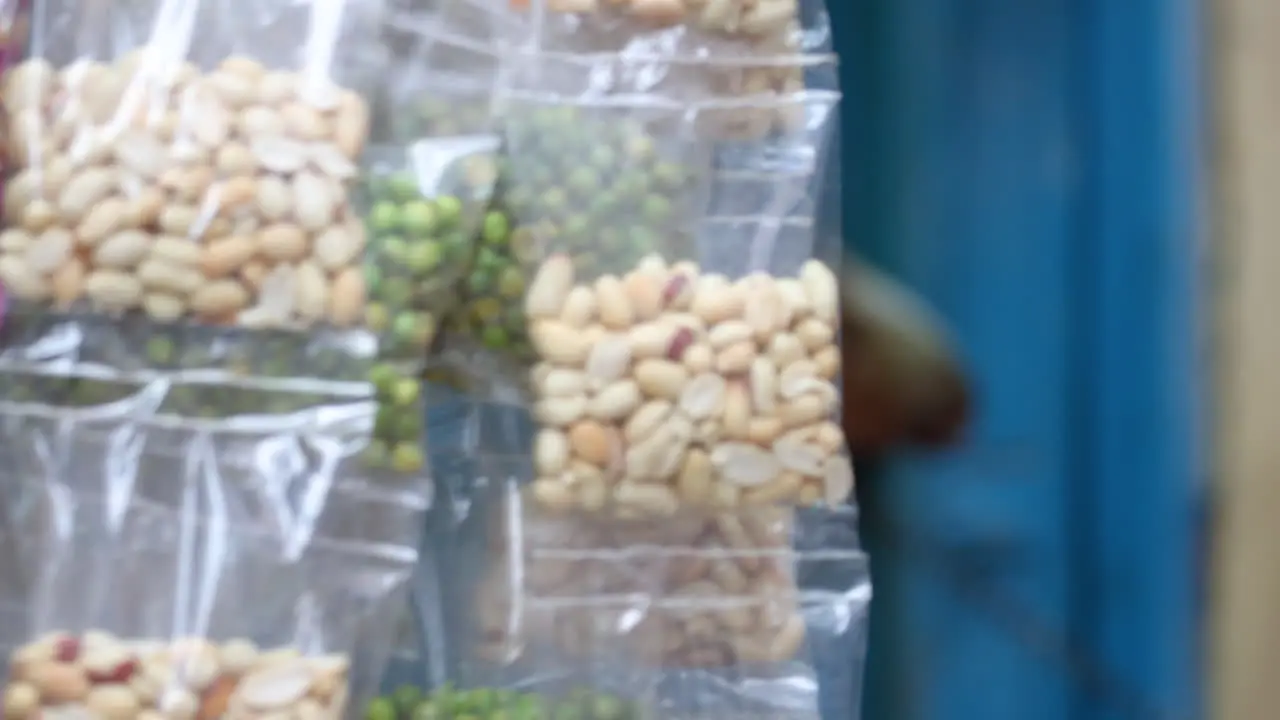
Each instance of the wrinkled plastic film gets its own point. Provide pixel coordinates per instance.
(251, 570)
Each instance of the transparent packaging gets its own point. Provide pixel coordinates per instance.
(757, 613)
(429, 183)
(189, 162)
(662, 27)
(187, 196)
(197, 566)
(743, 56)
(650, 491)
(682, 327)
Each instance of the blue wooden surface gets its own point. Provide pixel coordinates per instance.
(1029, 167)
(1142, 463)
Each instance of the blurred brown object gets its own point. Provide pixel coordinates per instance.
(903, 383)
(1245, 595)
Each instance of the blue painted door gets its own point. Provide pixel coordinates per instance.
(1029, 167)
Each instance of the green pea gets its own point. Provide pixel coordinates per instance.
(383, 378)
(554, 200)
(376, 317)
(423, 257)
(631, 184)
(403, 186)
(394, 248)
(496, 228)
(479, 282)
(385, 422)
(642, 239)
(396, 292)
(603, 156)
(511, 283)
(669, 175)
(406, 699)
(524, 245)
(405, 391)
(640, 146)
(607, 707)
(404, 329)
(657, 209)
(568, 712)
(487, 309)
(380, 709)
(457, 242)
(577, 229)
(427, 711)
(449, 209)
(418, 218)
(520, 198)
(384, 218)
(409, 427)
(583, 182)
(495, 337)
(407, 458)
(489, 260)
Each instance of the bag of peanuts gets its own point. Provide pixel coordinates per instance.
(188, 569)
(681, 324)
(641, 27)
(756, 613)
(663, 530)
(186, 196)
(752, 60)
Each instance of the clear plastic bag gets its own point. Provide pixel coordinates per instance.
(681, 375)
(734, 614)
(197, 567)
(683, 337)
(644, 27)
(429, 185)
(743, 56)
(186, 197)
(189, 161)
